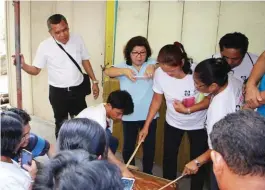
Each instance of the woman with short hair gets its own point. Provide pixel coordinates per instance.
(135, 75)
(85, 134)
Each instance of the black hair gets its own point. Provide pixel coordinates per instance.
(55, 19)
(240, 139)
(83, 133)
(234, 40)
(173, 54)
(11, 133)
(136, 41)
(77, 169)
(121, 99)
(22, 113)
(213, 70)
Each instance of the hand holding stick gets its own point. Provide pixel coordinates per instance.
(174, 181)
(133, 154)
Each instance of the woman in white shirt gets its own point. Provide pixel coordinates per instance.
(12, 176)
(211, 76)
(185, 110)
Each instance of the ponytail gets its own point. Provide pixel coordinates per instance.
(213, 70)
(187, 61)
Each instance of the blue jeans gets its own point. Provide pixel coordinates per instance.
(112, 141)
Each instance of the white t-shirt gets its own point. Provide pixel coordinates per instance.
(13, 177)
(98, 114)
(62, 72)
(178, 89)
(228, 101)
(243, 71)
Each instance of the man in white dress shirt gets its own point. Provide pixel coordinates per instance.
(66, 93)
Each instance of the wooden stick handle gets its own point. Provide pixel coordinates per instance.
(133, 154)
(174, 181)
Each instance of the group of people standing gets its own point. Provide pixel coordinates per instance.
(197, 95)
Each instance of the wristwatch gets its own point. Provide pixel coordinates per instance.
(198, 164)
(95, 81)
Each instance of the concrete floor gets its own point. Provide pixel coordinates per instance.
(46, 130)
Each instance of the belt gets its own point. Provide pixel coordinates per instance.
(68, 89)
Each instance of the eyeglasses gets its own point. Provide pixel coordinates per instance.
(199, 86)
(25, 136)
(135, 53)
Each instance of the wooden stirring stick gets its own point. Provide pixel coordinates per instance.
(174, 181)
(133, 154)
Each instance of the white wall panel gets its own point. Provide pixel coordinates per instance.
(26, 47)
(65, 8)
(10, 42)
(200, 28)
(40, 12)
(165, 23)
(25, 29)
(245, 17)
(132, 21)
(89, 21)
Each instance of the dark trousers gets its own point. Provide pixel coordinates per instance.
(112, 141)
(65, 102)
(130, 132)
(198, 145)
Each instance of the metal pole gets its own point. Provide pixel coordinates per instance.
(18, 59)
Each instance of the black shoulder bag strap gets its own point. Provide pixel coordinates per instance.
(86, 86)
(74, 61)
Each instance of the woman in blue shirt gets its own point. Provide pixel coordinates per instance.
(135, 75)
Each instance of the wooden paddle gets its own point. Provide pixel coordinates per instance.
(133, 154)
(131, 167)
(174, 181)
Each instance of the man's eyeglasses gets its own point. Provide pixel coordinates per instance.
(25, 136)
(135, 53)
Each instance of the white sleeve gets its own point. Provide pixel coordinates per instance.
(94, 115)
(214, 114)
(82, 114)
(102, 120)
(84, 52)
(10, 184)
(156, 84)
(40, 59)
